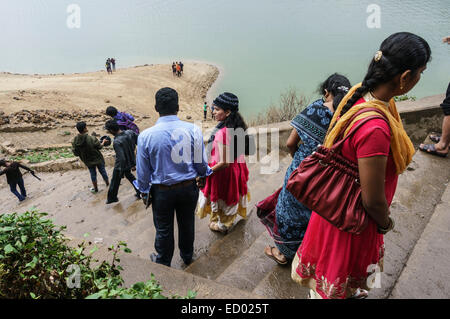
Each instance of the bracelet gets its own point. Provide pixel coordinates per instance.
(389, 228)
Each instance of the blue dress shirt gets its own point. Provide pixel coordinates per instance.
(170, 152)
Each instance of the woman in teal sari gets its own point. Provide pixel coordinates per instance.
(284, 216)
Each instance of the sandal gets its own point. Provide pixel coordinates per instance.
(272, 256)
(360, 294)
(215, 227)
(431, 149)
(435, 137)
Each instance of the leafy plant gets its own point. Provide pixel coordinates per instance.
(36, 262)
(404, 98)
(45, 155)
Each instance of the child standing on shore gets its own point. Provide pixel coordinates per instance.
(14, 177)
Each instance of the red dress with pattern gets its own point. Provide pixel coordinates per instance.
(334, 262)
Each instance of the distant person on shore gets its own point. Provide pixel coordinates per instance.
(124, 146)
(442, 146)
(224, 194)
(168, 179)
(113, 63)
(174, 69)
(125, 120)
(205, 110)
(181, 67)
(108, 66)
(14, 177)
(212, 110)
(284, 216)
(178, 69)
(87, 148)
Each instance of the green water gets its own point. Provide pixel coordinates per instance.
(263, 46)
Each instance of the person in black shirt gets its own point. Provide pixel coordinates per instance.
(124, 146)
(14, 177)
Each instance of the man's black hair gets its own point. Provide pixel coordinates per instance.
(81, 126)
(111, 111)
(112, 126)
(166, 101)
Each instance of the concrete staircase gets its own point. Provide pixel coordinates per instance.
(417, 260)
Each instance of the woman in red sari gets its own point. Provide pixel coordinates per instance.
(334, 263)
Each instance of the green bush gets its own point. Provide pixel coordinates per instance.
(36, 262)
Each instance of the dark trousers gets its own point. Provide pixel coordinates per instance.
(101, 169)
(115, 183)
(165, 203)
(204, 114)
(13, 188)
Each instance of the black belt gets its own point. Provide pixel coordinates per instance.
(177, 185)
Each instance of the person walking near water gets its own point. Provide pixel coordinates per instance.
(333, 262)
(113, 63)
(124, 146)
(224, 194)
(174, 69)
(14, 177)
(178, 69)
(205, 110)
(108, 66)
(87, 148)
(167, 178)
(181, 67)
(284, 216)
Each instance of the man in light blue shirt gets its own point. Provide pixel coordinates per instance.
(170, 156)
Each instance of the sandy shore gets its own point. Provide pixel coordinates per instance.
(129, 89)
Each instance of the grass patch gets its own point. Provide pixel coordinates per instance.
(45, 155)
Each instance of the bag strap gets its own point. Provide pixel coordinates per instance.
(361, 123)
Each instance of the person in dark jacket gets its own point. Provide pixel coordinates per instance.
(14, 177)
(125, 120)
(87, 148)
(124, 146)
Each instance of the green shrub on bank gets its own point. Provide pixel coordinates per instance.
(404, 98)
(50, 154)
(36, 262)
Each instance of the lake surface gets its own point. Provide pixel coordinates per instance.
(263, 47)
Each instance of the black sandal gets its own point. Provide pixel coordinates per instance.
(431, 149)
(435, 137)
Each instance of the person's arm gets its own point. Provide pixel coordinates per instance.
(292, 142)
(143, 167)
(372, 172)
(129, 116)
(25, 167)
(3, 171)
(96, 143)
(223, 163)
(120, 157)
(199, 155)
(75, 150)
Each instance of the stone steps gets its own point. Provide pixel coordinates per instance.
(428, 267)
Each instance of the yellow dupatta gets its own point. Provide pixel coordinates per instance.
(401, 145)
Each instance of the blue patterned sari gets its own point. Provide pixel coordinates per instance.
(287, 223)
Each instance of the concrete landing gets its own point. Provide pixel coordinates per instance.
(427, 272)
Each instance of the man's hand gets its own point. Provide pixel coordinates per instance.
(446, 40)
(201, 182)
(146, 198)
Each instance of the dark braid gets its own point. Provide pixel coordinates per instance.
(400, 52)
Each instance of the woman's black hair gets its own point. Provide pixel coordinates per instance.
(235, 120)
(336, 84)
(399, 52)
(111, 111)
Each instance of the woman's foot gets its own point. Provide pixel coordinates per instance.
(360, 294)
(214, 226)
(435, 137)
(275, 254)
(433, 150)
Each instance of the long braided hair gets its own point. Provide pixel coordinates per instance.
(399, 52)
